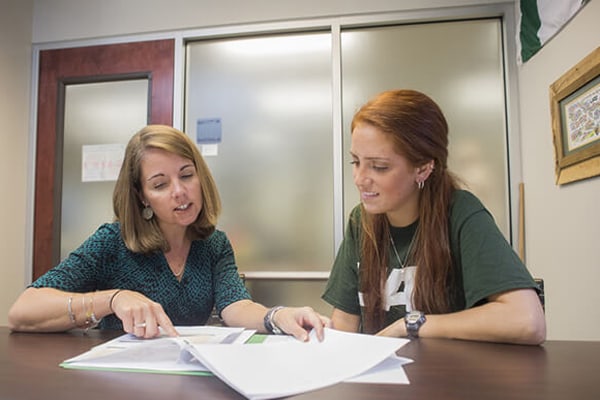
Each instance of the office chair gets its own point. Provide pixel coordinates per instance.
(540, 284)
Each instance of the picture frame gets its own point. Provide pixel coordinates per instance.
(575, 112)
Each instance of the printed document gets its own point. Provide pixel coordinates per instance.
(277, 367)
(162, 354)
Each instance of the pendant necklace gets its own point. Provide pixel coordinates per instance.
(402, 264)
(182, 264)
(177, 275)
(182, 268)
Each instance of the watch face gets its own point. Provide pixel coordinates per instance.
(412, 318)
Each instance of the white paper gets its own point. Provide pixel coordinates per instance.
(280, 366)
(390, 371)
(127, 352)
(208, 150)
(101, 162)
(272, 370)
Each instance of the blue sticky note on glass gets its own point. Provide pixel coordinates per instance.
(208, 131)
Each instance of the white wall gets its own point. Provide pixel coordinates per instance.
(56, 20)
(15, 77)
(562, 222)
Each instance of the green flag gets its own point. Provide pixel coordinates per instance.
(540, 20)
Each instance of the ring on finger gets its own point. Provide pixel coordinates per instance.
(140, 325)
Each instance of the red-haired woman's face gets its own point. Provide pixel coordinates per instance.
(385, 179)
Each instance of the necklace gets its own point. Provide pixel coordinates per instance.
(178, 274)
(183, 250)
(182, 268)
(402, 264)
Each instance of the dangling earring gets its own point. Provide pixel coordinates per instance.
(421, 185)
(147, 213)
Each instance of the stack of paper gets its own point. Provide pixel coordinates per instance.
(163, 354)
(283, 369)
(275, 368)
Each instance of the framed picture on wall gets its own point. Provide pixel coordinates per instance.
(575, 110)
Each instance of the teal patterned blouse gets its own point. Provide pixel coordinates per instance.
(210, 279)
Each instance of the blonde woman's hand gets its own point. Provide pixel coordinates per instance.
(298, 321)
(141, 316)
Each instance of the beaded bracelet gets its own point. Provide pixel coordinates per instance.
(90, 317)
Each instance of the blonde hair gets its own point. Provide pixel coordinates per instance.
(145, 236)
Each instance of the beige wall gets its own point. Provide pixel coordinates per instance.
(562, 223)
(56, 20)
(15, 77)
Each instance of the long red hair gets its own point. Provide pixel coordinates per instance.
(419, 132)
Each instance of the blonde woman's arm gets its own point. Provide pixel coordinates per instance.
(53, 310)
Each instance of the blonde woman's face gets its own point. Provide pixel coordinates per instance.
(385, 180)
(171, 186)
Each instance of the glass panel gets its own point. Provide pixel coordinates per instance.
(458, 64)
(106, 113)
(267, 101)
(293, 293)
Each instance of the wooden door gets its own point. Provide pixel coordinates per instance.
(153, 60)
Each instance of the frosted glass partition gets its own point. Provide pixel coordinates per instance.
(459, 64)
(106, 113)
(260, 109)
(290, 292)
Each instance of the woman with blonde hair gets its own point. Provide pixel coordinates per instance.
(161, 263)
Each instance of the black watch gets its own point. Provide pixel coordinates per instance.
(270, 324)
(413, 321)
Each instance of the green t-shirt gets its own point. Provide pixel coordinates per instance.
(484, 261)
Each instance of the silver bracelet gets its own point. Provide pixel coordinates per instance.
(112, 298)
(95, 321)
(70, 311)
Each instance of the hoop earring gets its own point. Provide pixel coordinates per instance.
(147, 213)
(421, 185)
